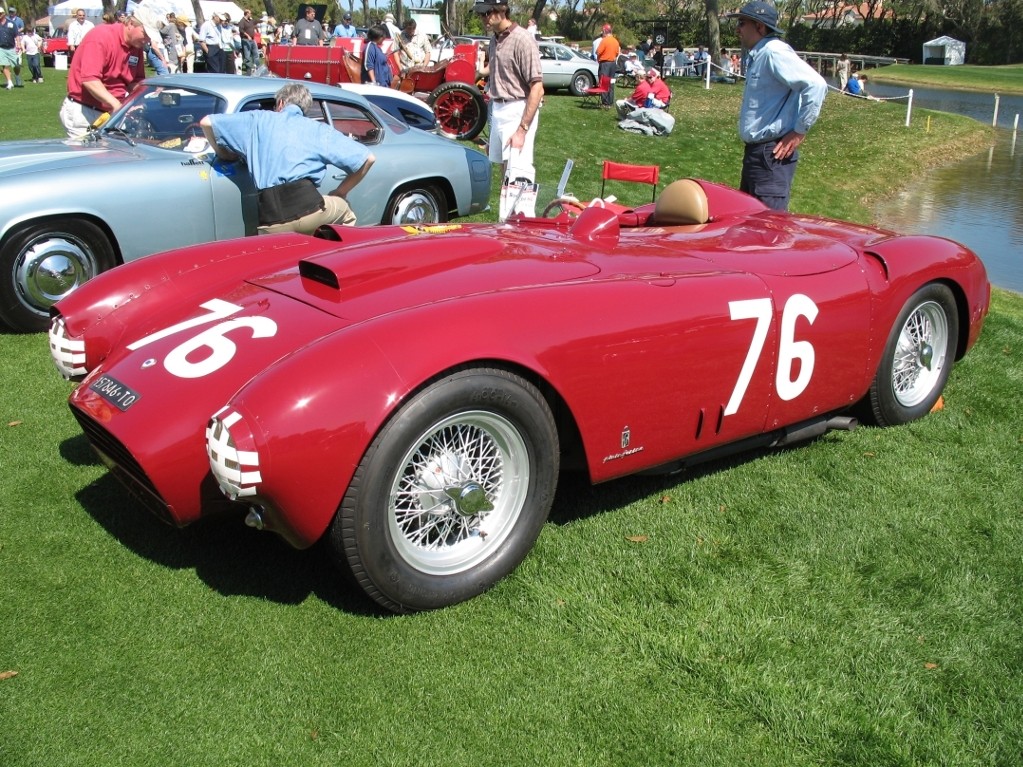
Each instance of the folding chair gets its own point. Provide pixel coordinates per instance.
(596, 94)
(638, 174)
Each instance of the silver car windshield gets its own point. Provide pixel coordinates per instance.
(164, 117)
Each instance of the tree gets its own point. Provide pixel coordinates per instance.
(713, 28)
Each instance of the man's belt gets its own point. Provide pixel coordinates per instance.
(83, 104)
(288, 202)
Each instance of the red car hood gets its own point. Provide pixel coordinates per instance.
(366, 276)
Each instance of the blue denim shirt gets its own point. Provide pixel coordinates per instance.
(783, 93)
(287, 146)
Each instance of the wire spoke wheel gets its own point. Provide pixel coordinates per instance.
(917, 358)
(452, 492)
(920, 354)
(458, 492)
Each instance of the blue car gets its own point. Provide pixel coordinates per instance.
(146, 182)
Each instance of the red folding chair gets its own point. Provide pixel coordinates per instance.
(596, 94)
(637, 174)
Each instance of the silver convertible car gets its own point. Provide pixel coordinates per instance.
(146, 182)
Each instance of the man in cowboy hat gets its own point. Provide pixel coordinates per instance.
(782, 99)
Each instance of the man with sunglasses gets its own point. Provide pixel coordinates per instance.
(782, 99)
(516, 89)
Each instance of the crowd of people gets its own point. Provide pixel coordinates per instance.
(781, 100)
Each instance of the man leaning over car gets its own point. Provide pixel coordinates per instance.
(107, 66)
(288, 154)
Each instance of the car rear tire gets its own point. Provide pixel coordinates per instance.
(44, 262)
(460, 109)
(581, 80)
(452, 493)
(417, 205)
(917, 359)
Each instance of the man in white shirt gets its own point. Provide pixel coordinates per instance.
(78, 29)
(414, 47)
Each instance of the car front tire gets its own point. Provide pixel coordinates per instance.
(918, 358)
(44, 262)
(452, 493)
(581, 80)
(417, 205)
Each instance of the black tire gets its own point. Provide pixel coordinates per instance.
(416, 205)
(581, 80)
(414, 527)
(917, 358)
(45, 261)
(460, 109)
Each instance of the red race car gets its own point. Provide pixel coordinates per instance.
(413, 392)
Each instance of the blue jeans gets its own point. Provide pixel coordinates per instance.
(156, 62)
(250, 56)
(768, 179)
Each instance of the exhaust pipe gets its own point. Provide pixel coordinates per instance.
(812, 429)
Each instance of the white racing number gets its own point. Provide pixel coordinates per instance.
(219, 348)
(789, 349)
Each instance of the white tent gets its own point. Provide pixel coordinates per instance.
(209, 7)
(945, 50)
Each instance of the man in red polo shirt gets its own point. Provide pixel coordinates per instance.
(107, 66)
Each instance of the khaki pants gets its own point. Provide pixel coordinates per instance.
(337, 211)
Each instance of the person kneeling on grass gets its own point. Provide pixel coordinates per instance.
(651, 91)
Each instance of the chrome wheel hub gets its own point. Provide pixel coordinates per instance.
(50, 268)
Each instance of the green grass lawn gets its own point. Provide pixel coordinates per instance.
(851, 601)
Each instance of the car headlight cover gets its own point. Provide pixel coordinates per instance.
(68, 353)
(236, 470)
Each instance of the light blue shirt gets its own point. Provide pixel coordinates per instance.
(286, 146)
(783, 93)
(345, 31)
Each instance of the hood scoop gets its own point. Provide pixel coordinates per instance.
(311, 270)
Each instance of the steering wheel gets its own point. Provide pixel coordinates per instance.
(570, 206)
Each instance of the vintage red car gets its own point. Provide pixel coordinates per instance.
(449, 86)
(412, 393)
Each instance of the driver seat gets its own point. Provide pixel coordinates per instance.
(681, 203)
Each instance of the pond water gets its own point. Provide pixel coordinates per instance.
(979, 106)
(978, 200)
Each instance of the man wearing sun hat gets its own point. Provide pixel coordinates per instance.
(781, 101)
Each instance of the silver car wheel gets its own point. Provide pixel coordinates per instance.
(51, 267)
(416, 206)
(458, 492)
(920, 354)
(43, 263)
